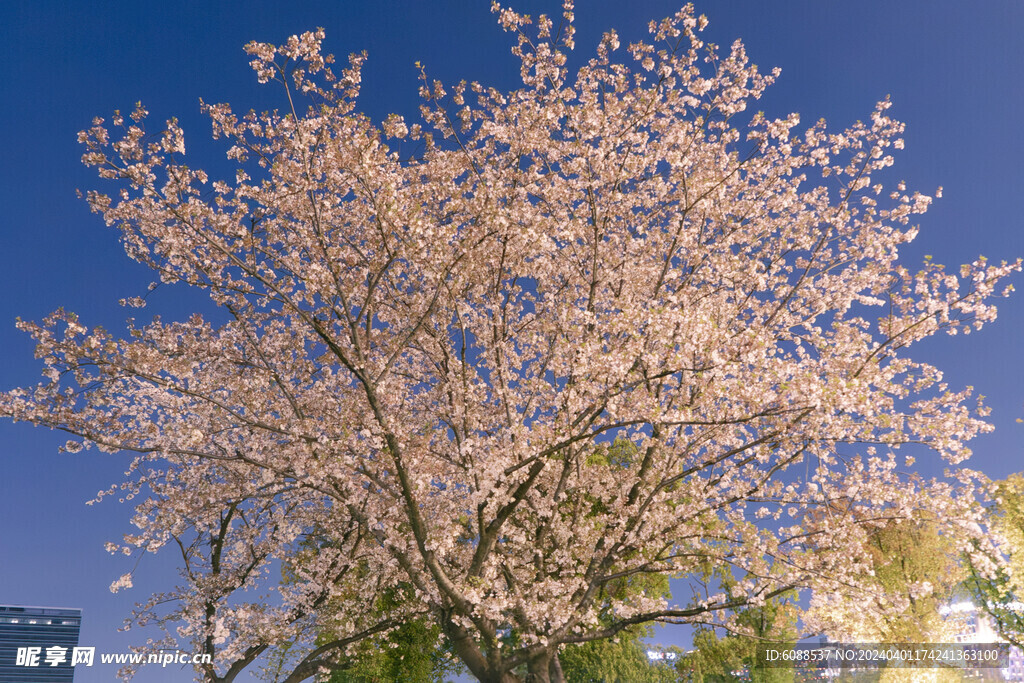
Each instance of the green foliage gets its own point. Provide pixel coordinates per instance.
(909, 553)
(740, 656)
(620, 660)
(996, 594)
(414, 652)
(915, 567)
(408, 654)
(713, 659)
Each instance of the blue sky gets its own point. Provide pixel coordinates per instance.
(952, 69)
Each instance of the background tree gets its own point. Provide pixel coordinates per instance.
(915, 569)
(411, 650)
(919, 567)
(410, 653)
(998, 588)
(741, 654)
(421, 354)
(622, 659)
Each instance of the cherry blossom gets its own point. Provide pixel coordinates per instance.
(609, 324)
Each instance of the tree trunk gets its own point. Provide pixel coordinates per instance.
(537, 671)
(545, 669)
(555, 669)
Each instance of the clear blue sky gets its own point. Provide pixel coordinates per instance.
(953, 70)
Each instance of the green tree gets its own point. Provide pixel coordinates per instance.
(999, 588)
(716, 659)
(620, 660)
(411, 653)
(623, 658)
(771, 625)
(915, 563)
(913, 568)
(713, 659)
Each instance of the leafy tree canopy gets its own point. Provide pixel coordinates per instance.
(998, 587)
(915, 569)
(741, 653)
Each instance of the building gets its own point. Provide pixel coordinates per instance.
(37, 643)
(972, 625)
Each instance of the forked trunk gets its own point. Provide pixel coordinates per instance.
(545, 669)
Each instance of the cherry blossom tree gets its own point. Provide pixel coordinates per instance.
(418, 364)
